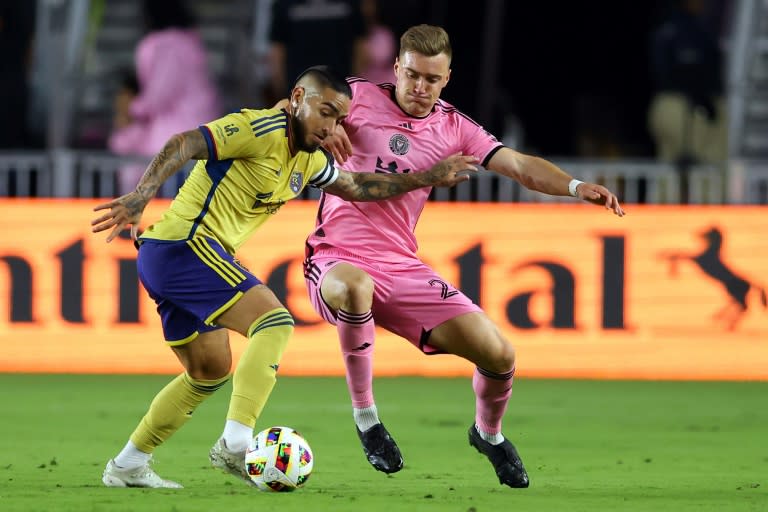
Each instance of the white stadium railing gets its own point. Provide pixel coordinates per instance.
(75, 173)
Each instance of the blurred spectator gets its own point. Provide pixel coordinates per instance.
(17, 25)
(687, 116)
(175, 90)
(305, 33)
(380, 46)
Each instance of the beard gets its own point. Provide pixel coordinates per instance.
(300, 136)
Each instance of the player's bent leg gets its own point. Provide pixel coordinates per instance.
(349, 291)
(347, 287)
(207, 360)
(260, 317)
(474, 337)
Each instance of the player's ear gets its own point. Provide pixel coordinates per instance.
(447, 77)
(297, 95)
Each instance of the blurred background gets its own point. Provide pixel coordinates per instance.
(664, 101)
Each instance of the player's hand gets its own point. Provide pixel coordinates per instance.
(338, 145)
(452, 171)
(599, 195)
(123, 212)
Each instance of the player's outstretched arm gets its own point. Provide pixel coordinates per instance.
(373, 186)
(127, 210)
(543, 176)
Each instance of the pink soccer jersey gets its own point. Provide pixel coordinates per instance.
(386, 139)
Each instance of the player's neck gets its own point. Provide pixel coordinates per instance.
(291, 135)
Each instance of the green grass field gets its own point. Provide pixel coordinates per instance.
(588, 446)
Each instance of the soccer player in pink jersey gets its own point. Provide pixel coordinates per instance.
(361, 263)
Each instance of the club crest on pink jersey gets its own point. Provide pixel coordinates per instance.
(399, 144)
(295, 182)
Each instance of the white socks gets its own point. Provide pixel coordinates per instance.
(491, 438)
(366, 417)
(131, 457)
(236, 436)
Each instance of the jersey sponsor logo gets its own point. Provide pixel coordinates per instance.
(399, 144)
(296, 182)
(262, 201)
(445, 291)
(391, 167)
(231, 129)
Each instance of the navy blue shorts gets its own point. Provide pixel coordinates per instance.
(192, 282)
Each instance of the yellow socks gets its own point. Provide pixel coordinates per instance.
(256, 371)
(171, 408)
(252, 384)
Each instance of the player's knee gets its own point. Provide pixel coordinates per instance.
(360, 288)
(507, 359)
(502, 359)
(353, 293)
(211, 368)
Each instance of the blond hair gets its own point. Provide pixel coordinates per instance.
(428, 40)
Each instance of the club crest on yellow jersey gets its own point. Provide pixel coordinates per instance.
(296, 182)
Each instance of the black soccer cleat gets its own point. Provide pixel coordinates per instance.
(509, 468)
(380, 449)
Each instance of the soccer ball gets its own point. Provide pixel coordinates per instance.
(279, 459)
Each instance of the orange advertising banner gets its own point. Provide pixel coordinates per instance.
(667, 292)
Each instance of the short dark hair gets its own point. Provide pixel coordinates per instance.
(325, 76)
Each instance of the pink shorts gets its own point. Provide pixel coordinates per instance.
(409, 299)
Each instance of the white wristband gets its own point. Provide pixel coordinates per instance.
(572, 186)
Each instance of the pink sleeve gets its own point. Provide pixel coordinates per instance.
(166, 79)
(475, 140)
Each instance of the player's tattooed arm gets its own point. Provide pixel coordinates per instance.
(127, 210)
(179, 149)
(370, 186)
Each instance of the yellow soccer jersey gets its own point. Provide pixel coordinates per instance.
(249, 175)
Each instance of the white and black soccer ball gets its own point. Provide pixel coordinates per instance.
(279, 459)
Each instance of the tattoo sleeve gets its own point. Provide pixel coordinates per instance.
(177, 151)
(369, 186)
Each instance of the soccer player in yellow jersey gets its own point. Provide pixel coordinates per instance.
(250, 163)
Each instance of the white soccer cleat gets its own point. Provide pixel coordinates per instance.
(143, 476)
(231, 462)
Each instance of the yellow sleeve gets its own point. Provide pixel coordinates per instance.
(230, 137)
